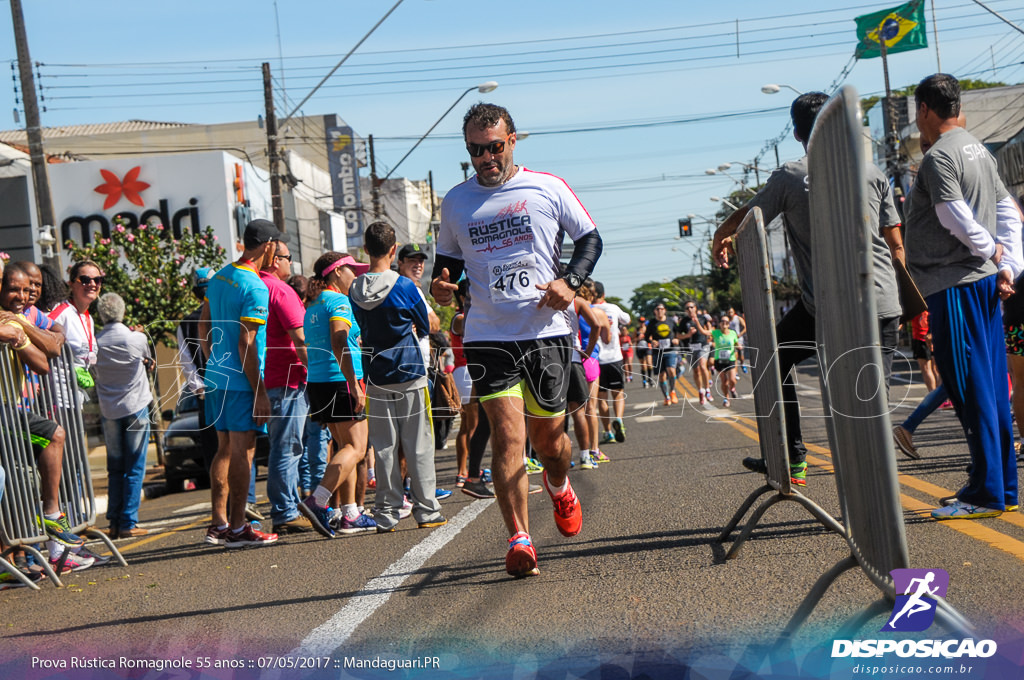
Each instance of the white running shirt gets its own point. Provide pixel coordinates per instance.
(612, 351)
(510, 238)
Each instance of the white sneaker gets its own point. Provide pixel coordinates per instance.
(406, 508)
(960, 510)
(75, 561)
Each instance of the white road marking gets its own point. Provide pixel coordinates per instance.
(649, 419)
(333, 633)
(193, 509)
(644, 406)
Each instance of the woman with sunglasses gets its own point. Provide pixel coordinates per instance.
(85, 284)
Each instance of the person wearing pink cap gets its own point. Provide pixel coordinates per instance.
(337, 396)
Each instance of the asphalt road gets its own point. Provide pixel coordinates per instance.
(643, 589)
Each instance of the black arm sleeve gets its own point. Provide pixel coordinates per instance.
(454, 266)
(585, 253)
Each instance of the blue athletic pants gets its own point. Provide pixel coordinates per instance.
(970, 353)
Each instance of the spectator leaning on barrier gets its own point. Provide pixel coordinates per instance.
(37, 316)
(44, 333)
(44, 435)
(785, 193)
(122, 387)
(285, 379)
(964, 252)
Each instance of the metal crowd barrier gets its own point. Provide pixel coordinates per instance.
(56, 397)
(759, 307)
(854, 397)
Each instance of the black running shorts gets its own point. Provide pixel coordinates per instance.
(579, 389)
(922, 349)
(543, 366)
(612, 377)
(332, 402)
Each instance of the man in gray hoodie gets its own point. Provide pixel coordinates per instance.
(391, 312)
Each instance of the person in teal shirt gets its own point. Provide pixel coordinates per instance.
(232, 332)
(337, 396)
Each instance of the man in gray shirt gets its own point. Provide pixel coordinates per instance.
(122, 385)
(785, 193)
(964, 252)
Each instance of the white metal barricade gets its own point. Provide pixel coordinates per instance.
(55, 397)
(759, 308)
(849, 352)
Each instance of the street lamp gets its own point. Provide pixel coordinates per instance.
(722, 170)
(484, 88)
(773, 88)
(716, 199)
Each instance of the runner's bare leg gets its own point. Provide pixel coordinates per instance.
(508, 437)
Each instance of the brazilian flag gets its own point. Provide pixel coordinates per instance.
(901, 27)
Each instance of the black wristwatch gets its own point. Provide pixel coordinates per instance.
(574, 280)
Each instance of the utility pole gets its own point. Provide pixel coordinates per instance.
(275, 178)
(40, 181)
(892, 149)
(374, 182)
(433, 206)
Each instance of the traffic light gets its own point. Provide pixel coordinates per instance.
(685, 227)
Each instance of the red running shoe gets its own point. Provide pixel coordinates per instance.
(521, 559)
(215, 536)
(248, 536)
(568, 513)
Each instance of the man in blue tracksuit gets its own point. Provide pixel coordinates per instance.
(392, 312)
(964, 252)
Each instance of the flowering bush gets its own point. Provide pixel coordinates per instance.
(152, 271)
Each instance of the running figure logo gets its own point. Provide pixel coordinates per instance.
(916, 590)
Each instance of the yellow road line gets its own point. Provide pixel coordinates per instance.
(163, 534)
(972, 528)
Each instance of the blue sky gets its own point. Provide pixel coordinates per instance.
(630, 107)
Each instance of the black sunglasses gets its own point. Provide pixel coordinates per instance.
(495, 147)
(86, 280)
(283, 257)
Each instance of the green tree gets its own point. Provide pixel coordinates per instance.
(867, 103)
(151, 270)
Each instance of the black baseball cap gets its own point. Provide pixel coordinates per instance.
(262, 231)
(411, 250)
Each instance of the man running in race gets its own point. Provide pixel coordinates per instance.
(503, 227)
(693, 332)
(659, 340)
